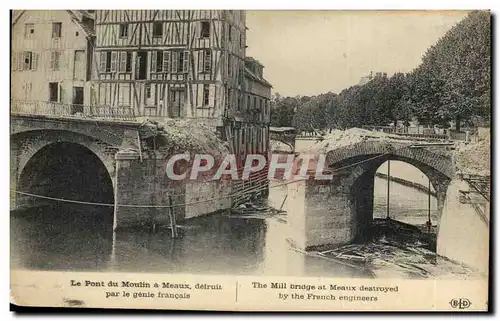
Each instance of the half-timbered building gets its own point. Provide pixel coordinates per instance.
(51, 55)
(173, 63)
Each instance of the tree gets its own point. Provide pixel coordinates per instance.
(453, 81)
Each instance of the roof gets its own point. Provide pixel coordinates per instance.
(75, 15)
(251, 75)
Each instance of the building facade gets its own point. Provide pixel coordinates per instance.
(181, 64)
(51, 56)
(254, 111)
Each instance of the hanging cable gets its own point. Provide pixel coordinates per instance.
(197, 202)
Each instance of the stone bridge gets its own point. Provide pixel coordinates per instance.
(110, 162)
(326, 214)
(73, 156)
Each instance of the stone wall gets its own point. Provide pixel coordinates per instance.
(144, 182)
(207, 197)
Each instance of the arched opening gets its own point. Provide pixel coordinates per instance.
(408, 196)
(405, 204)
(56, 229)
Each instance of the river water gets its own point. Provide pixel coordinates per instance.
(60, 238)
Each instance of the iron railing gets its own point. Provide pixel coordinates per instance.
(56, 109)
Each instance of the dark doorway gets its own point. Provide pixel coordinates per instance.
(77, 106)
(53, 91)
(141, 65)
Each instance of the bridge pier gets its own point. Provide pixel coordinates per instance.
(142, 191)
(327, 214)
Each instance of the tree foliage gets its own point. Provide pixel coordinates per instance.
(451, 84)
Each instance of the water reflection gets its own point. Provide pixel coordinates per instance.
(80, 239)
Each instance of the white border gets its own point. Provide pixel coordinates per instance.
(189, 4)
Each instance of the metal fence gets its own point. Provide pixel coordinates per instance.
(56, 109)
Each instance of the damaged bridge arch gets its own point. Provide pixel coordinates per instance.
(340, 211)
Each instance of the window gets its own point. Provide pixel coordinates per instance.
(159, 61)
(229, 71)
(124, 30)
(180, 61)
(206, 61)
(157, 29)
(76, 33)
(248, 102)
(29, 30)
(29, 60)
(230, 29)
(56, 29)
(166, 61)
(54, 60)
(205, 29)
(53, 91)
(148, 91)
(125, 62)
(106, 61)
(206, 94)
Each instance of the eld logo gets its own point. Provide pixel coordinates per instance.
(460, 303)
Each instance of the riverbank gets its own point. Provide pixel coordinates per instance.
(404, 182)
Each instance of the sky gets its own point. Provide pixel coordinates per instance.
(314, 52)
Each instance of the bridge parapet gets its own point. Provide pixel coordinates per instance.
(48, 108)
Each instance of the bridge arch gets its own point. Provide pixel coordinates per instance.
(357, 164)
(43, 156)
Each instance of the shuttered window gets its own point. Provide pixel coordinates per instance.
(54, 60)
(123, 62)
(185, 62)
(102, 61)
(180, 61)
(166, 61)
(27, 60)
(207, 60)
(114, 61)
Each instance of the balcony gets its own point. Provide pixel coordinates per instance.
(60, 110)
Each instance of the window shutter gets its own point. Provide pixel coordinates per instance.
(123, 62)
(166, 61)
(52, 60)
(20, 61)
(14, 61)
(34, 60)
(114, 58)
(201, 61)
(198, 29)
(153, 61)
(175, 61)
(207, 64)
(102, 62)
(185, 65)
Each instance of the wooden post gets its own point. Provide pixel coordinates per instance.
(283, 203)
(429, 224)
(388, 185)
(173, 224)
